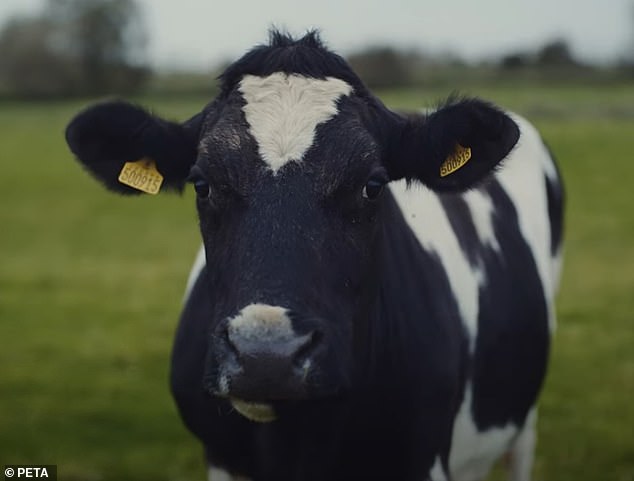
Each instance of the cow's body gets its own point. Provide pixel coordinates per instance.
(469, 291)
(335, 328)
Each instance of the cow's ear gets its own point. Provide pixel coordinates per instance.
(106, 136)
(453, 148)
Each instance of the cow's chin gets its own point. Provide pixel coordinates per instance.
(254, 411)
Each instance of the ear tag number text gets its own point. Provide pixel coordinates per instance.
(142, 175)
(456, 160)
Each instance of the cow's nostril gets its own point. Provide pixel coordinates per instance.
(306, 350)
(225, 337)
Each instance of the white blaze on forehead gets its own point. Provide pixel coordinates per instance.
(283, 111)
(262, 321)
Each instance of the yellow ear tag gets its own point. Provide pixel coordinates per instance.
(142, 175)
(456, 160)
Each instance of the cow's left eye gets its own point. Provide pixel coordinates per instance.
(373, 188)
(201, 186)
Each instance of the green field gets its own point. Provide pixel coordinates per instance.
(91, 285)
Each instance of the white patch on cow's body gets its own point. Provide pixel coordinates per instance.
(481, 209)
(522, 178)
(428, 220)
(199, 264)
(523, 450)
(548, 163)
(480, 276)
(437, 472)
(551, 172)
(262, 321)
(218, 474)
(473, 452)
(283, 110)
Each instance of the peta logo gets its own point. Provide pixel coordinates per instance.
(35, 471)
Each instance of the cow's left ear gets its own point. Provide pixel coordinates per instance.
(107, 136)
(453, 148)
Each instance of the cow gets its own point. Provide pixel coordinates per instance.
(374, 298)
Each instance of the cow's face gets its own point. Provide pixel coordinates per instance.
(288, 181)
(289, 170)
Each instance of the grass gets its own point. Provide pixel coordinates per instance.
(90, 289)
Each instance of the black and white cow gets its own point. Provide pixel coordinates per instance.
(374, 299)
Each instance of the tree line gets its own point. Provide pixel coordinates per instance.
(96, 47)
(75, 47)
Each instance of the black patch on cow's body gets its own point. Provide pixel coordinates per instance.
(419, 335)
(512, 344)
(459, 216)
(513, 338)
(556, 201)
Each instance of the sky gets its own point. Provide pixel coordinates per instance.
(199, 34)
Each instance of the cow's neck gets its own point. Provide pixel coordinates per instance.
(414, 321)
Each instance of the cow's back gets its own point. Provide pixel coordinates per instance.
(500, 247)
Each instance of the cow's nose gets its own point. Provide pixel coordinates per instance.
(277, 350)
(270, 360)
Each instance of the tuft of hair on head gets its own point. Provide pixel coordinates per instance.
(280, 38)
(306, 55)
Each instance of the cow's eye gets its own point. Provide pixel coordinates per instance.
(373, 188)
(202, 188)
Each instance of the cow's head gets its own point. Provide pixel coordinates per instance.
(289, 164)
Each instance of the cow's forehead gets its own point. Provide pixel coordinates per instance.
(283, 111)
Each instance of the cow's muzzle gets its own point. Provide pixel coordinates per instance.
(258, 357)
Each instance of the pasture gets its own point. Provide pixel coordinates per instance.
(91, 285)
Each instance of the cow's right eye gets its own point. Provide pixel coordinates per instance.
(202, 188)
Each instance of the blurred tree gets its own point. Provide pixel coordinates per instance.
(105, 39)
(554, 54)
(29, 65)
(382, 67)
(81, 47)
(516, 60)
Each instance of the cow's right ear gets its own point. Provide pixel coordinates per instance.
(453, 148)
(106, 136)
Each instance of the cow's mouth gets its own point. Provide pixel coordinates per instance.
(254, 411)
